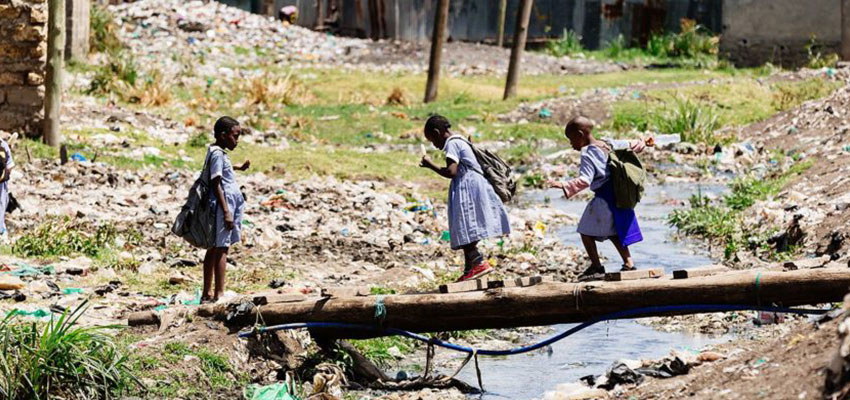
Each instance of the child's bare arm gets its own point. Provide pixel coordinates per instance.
(448, 172)
(219, 195)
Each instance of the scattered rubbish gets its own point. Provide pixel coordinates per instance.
(109, 288)
(275, 391)
(621, 374)
(545, 113)
(195, 300)
(38, 313)
(276, 283)
(78, 157)
(29, 270)
(11, 283)
(446, 236)
(16, 295)
(68, 291)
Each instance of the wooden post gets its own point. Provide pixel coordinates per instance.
(503, 6)
(845, 30)
(520, 34)
(53, 79)
(320, 15)
(439, 35)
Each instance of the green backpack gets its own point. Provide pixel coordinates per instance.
(627, 176)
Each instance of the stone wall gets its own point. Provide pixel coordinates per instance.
(23, 48)
(777, 31)
(77, 25)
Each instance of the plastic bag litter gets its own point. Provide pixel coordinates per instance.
(275, 391)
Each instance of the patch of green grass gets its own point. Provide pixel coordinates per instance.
(697, 112)
(220, 374)
(721, 221)
(60, 359)
(377, 349)
(65, 237)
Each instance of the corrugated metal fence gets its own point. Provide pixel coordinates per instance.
(597, 21)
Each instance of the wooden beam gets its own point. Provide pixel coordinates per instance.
(519, 282)
(465, 286)
(555, 303)
(346, 291)
(636, 274)
(520, 34)
(53, 76)
(273, 297)
(701, 271)
(437, 39)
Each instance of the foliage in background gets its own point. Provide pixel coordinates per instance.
(694, 121)
(568, 44)
(692, 46)
(721, 221)
(817, 59)
(103, 35)
(59, 359)
(64, 237)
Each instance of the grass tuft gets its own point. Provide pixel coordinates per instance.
(58, 237)
(61, 360)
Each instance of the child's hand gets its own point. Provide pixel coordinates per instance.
(425, 162)
(637, 146)
(245, 165)
(228, 221)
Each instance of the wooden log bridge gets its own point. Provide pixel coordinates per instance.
(549, 302)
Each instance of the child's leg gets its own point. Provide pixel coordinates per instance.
(471, 256)
(220, 267)
(590, 246)
(624, 253)
(209, 267)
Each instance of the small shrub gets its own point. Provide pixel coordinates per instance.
(118, 74)
(787, 95)
(696, 123)
(616, 48)
(817, 59)
(274, 90)
(199, 140)
(377, 350)
(58, 237)
(61, 360)
(103, 36)
(569, 43)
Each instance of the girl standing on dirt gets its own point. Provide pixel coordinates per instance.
(475, 211)
(228, 202)
(6, 170)
(601, 219)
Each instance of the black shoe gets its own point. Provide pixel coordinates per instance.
(592, 273)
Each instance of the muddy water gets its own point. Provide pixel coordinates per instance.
(592, 350)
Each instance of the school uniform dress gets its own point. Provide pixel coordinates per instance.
(475, 210)
(601, 218)
(4, 187)
(220, 166)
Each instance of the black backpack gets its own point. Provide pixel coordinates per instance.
(196, 221)
(495, 170)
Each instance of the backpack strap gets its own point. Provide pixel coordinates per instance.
(468, 165)
(207, 166)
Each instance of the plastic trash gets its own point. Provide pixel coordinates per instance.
(40, 313)
(664, 140)
(344, 232)
(25, 269)
(539, 229)
(545, 113)
(275, 391)
(78, 157)
(195, 301)
(446, 236)
(67, 291)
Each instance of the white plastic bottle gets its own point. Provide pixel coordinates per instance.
(664, 140)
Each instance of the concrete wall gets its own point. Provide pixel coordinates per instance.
(777, 31)
(77, 26)
(23, 50)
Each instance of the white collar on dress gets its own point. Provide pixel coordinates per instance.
(450, 138)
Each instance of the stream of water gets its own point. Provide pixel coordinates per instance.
(592, 350)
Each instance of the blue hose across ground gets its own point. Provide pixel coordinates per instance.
(692, 308)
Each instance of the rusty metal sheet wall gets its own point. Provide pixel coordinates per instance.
(597, 21)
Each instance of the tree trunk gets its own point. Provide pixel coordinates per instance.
(439, 35)
(845, 30)
(556, 303)
(53, 78)
(520, 34)
(503, 6)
